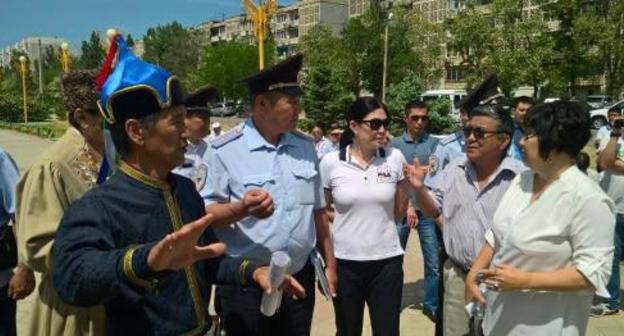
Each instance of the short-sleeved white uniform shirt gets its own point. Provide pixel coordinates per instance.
(364, 226)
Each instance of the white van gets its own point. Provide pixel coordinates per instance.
(455, 96)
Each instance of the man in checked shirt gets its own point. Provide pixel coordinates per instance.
(466, 194)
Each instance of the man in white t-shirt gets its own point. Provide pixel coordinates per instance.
(611, 162)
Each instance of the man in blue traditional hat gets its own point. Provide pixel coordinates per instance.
(140, 244)
(265, 154)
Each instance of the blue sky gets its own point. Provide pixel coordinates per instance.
(74, 20)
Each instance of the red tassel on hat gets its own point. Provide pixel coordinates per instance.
(108, 63)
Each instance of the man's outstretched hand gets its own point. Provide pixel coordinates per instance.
(179, 249)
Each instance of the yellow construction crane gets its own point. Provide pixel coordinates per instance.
(260, 15)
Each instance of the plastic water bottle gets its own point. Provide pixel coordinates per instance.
(480, 307)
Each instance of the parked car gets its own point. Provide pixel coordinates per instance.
(223, 109)
(599, 116)
(455, 96)
(599, 101)
(551, 99)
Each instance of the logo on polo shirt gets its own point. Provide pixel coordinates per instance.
(384, 175)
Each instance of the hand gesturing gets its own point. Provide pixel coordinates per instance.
(179, 249)
(415, 173)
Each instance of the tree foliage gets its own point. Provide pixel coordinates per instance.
(92, 53)
(174, 48)
(400, 94)
(340, 68)
(223, 64)
(601, 30)
(325, 100)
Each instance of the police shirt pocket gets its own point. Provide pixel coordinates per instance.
(304, 185)
(257, 181)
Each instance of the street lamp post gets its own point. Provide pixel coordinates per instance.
(65, 57)
(260, 15)
(23, 73)
(385, 60)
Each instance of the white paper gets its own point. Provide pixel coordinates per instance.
(277, 273)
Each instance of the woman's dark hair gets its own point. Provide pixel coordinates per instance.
(561, 126)
(360, 108)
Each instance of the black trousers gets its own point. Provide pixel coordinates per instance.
(379, 283)
(7, 313)
(240, 310)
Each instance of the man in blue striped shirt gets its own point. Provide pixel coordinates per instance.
(466, 194)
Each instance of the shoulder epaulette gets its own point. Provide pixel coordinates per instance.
(448, 139)
(302, 135)
(227, 137)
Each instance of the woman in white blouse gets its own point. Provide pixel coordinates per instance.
(551, 244)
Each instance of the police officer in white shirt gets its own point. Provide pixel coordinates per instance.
(196, 121)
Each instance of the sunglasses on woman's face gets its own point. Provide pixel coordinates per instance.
(375, 124)
(478, 132)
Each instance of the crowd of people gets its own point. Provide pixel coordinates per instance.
(130, 225)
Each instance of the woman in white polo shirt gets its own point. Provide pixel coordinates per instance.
(365, 183)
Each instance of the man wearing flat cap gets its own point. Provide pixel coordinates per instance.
(140, 244)
(266, 156)
(197, 121)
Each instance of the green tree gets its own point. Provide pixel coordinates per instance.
(322, 48)
(521, 48)
(601, 27)
(413, 45)
(225, 63)
(400, 94)
(92, 53)
(471, 36)
(174, 48)
(571, 53)
(425, 43)
(439, 120)
(51, 64)
(130, 41)
(325, 100)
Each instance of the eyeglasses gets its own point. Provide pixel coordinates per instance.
(478, 132)
(416, 118)
(376, 124)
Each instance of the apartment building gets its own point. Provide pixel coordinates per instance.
(286, 26)
(34, 47)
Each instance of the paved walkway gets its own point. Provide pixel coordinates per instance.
(25, 148)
